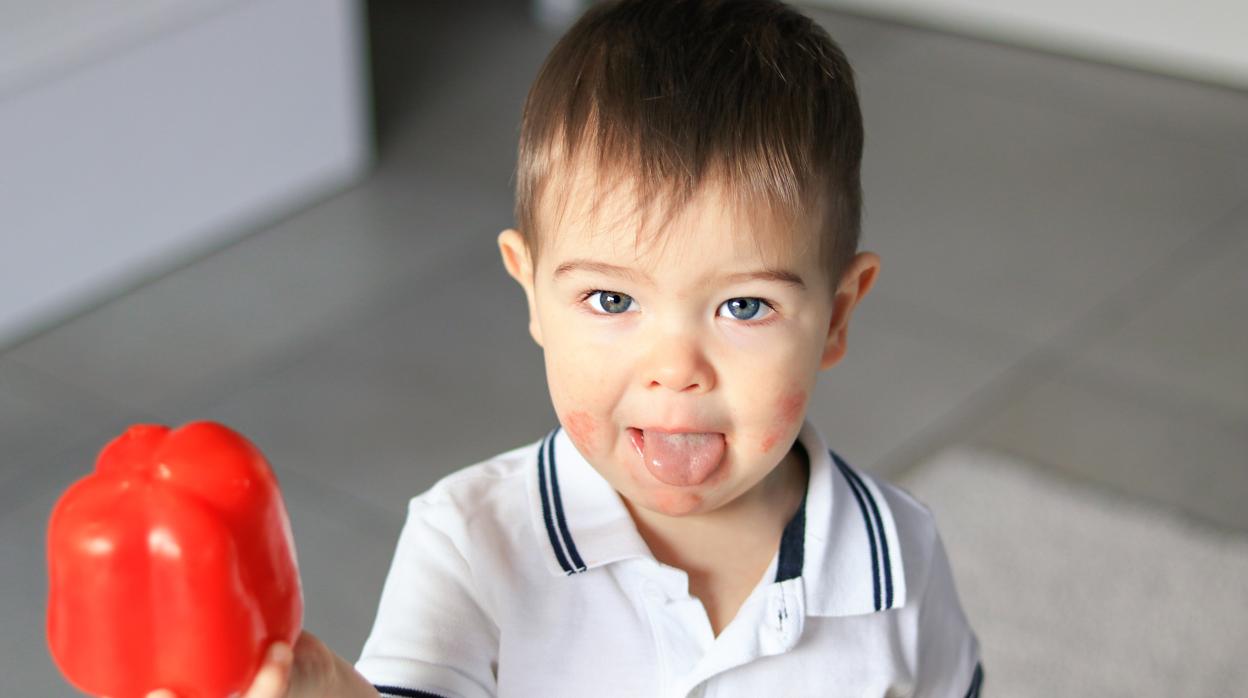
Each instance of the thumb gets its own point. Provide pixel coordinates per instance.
(273, 679)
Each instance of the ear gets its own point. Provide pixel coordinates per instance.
(855, 283)
(519, 265)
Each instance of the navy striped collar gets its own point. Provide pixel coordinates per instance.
(841, 544)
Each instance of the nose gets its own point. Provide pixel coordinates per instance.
(679, 364)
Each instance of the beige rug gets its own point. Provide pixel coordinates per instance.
(1076, 592)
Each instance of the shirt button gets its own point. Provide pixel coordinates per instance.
(776, 613)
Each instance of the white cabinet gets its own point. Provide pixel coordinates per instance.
(136, 135)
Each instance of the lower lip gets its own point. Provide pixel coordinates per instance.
(638, 440)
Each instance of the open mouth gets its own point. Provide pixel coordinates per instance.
(678, 458)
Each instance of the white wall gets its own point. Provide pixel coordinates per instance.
(1205, 40)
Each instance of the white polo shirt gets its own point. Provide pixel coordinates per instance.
(524, 575)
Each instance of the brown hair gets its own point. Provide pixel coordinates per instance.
(670, 95)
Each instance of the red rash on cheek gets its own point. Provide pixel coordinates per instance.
(581, 428)
(769, 441)
(790, 408)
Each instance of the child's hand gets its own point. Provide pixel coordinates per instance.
(309, 673)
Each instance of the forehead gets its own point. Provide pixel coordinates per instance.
(611, 220)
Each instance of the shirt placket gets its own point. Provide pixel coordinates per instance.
(681, 630)
(765, 626)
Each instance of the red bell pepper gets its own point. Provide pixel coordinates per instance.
(171, 566)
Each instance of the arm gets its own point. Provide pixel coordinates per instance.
(434, 632)
(348, 682)
(948, 651)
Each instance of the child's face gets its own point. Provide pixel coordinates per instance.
(703, 332)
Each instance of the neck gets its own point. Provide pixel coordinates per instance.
(753, 521)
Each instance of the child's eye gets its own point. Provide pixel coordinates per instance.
(745, 309)
(610, 302)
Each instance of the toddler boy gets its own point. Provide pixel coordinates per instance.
(688, 208)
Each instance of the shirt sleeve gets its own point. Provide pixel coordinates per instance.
(948, 651)
(431, 636)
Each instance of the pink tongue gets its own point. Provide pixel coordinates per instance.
(681, 459)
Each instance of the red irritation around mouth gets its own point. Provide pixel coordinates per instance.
(790, 408)
(581, 428)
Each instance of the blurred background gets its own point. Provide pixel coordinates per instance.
(280, 214)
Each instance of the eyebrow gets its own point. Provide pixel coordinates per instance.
(586, 265)
(782, 276)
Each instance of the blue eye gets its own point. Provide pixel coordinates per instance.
(745, 308)
(610, 302)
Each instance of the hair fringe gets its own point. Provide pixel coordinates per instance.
(666, 97)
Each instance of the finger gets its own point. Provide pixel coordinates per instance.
(313, 665)
(162, 693)
(273, 678)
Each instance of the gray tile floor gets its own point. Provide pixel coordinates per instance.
(1064, 248)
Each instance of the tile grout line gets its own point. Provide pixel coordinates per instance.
(71, 390)
(897, 64)
(1028, 51)
(1184, 406)
(229, 236)
(27, 477)
(380, 519)
(278, 362)
(18, 488)
(1059, 108)
(1047, 358)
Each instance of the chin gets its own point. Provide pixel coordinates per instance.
(675, 503)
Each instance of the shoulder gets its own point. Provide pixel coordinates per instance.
(461, 548)
(942, 646)
(480, 509)
(947, 648)
(914, 519)
(479, 485)
(494, 489)
(932, 592)
(915, 529)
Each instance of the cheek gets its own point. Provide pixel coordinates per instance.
(581, 428)
(792, 407)
(789, 410)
